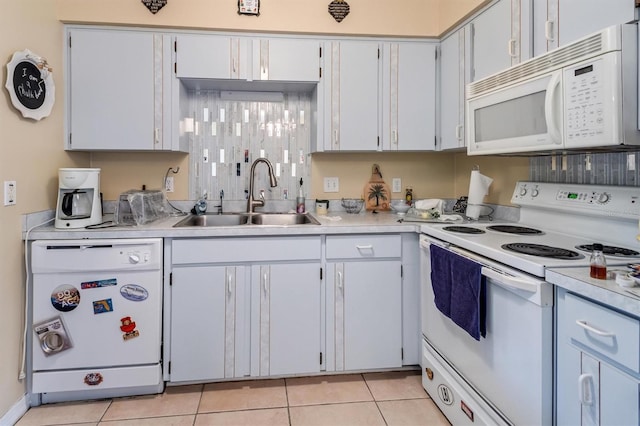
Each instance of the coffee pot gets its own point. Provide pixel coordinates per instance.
(78, 198)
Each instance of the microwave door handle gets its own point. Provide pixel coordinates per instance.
(550, 111)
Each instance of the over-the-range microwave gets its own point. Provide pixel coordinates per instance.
(582, 96)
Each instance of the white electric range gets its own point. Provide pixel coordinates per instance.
(506, 376)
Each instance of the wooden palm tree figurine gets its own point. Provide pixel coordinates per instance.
(376, 192)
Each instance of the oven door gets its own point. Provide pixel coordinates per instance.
(524, 117)
(511, 368)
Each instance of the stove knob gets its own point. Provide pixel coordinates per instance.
(134, 258)
(523, 191)
(603, 198)
(534, 193)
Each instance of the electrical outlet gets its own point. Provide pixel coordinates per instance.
(168, 184)
(396, 185)
(331, 184)
(10, 192)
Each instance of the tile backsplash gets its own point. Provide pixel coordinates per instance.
(227, 133)
(606, 168)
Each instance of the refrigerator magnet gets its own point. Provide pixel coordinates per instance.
(102, 306)
(134, 292)
(128, 326)
(65, 298)
(98, 283)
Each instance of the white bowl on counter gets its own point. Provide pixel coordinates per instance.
(400, 207)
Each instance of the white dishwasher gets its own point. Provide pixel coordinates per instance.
(96, 318)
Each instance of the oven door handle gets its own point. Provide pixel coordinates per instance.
(510, 281)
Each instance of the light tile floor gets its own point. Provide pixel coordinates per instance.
(395, 398)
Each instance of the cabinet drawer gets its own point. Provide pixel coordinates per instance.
(363, 246)
(604, 331)
(231, 250)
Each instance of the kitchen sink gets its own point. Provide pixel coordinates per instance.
(283, 219)
(236, 219)
(213, 219)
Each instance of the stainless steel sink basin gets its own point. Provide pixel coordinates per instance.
(237, 219)
(283, 219)
(213, 219)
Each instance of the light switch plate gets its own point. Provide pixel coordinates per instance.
(331, 184)
(10, 192)
(396, 185)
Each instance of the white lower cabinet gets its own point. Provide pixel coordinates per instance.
(367, 314)
(276, 306)
(364, 302)
(204, 320)
(242, 307)
(598, 380)
(288, 299)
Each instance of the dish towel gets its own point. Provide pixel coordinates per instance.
(458, 290)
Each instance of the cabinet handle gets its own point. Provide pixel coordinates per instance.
(548, 31)
(156, 135)
(367, 247)
(584, 389)
(335, 137)
(264, 282)
(594, 330)
(395, 137)
(458, 131)
(511, 48)
(233, 66)
(340, 284)
(229, 279)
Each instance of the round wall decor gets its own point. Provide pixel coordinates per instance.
(30, 85)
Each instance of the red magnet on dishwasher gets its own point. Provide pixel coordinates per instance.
(129, 328)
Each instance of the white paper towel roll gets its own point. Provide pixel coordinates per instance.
(478, 187)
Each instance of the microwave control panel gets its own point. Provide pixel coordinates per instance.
(584, 101)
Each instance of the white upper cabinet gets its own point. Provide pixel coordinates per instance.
(118, 91)
(409, 96)
(452, 86)
(353, 99)
(492, 47)
(559, 22)
(280, 59)
(212, 56)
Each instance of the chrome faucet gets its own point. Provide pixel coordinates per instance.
(251, 202)
(221, 198)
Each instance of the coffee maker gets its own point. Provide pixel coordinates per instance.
(78, 198)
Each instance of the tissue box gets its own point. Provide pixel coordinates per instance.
(137, 207)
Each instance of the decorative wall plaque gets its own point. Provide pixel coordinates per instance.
(249, 7)
(30, 84)
(339, 9)
(154, 5)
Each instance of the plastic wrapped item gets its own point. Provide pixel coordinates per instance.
(138, 207)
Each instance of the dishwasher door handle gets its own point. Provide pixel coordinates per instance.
(510, 281)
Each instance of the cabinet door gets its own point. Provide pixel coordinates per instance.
(559, 22)
(294, 60)
(203, 322)
(289, 329)
(412, 97)
(368, 315)
(211, 56)
(619, 397)
(354, 98)
(578, 18)
(112, 90)
(452, 83)
(491, 40)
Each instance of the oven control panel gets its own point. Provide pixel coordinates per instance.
(611, 201)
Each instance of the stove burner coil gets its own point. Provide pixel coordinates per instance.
(610, 250)
(463, 229)
(513, 229)
(542, 250)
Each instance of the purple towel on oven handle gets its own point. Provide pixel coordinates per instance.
(458, 290)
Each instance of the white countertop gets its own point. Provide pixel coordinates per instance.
(606, 291)
(333, 223)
